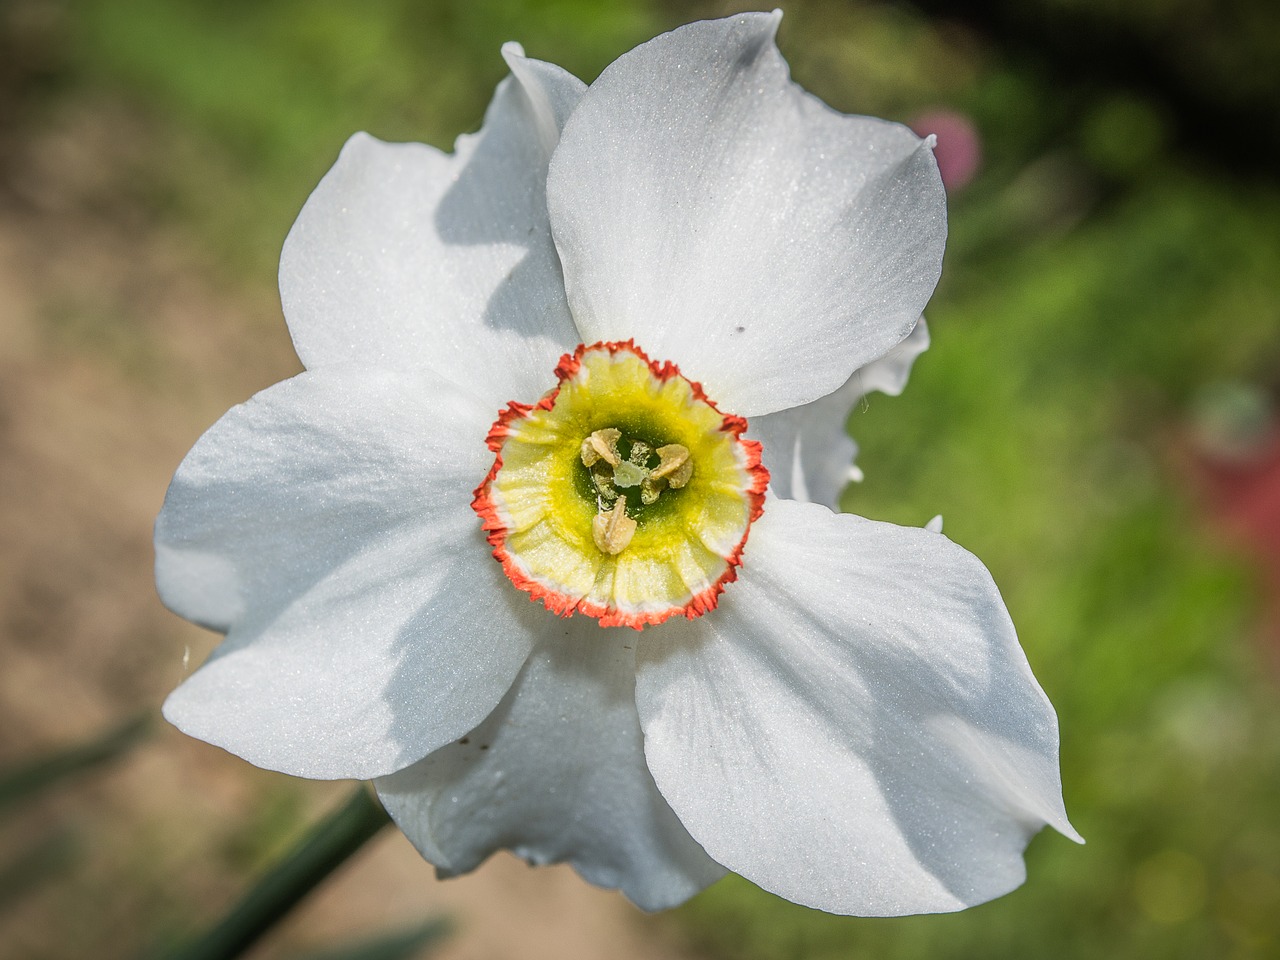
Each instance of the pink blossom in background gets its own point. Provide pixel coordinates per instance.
(959, 147)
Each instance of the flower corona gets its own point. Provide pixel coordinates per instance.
(624, 493)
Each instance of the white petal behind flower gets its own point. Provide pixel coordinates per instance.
(702, 201)
(556, 773)
(807, 450)
(858, 729)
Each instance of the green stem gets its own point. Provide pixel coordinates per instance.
(316, 855)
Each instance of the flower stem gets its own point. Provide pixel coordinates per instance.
(325, 848)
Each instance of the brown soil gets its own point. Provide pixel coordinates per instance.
(118, 346)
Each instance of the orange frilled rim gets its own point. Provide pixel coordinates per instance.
(566, 604)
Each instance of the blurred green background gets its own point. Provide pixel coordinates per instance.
(1095, 419)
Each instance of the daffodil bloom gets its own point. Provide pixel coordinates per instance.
(533, 542)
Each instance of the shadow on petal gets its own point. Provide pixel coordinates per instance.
(499, 199)
(459, 653)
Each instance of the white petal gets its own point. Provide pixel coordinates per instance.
(407, 257)
(325, 526)
(732, 223)
(807, 450)
(855, 728)
(556, 773)
(890, 373)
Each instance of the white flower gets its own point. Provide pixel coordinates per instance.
(851, 724)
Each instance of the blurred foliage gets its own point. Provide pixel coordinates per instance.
(261, 96)
(417, 942)
(1212, 67)
(56, 850)
(1098, 277)
(28, 780)
(43, 860)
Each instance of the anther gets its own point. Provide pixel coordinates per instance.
(612, 530)
(674, 465)
(602, 445)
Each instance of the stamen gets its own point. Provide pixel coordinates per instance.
(604, 487)
(612, 530)
(602, 445)
(674, 465)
